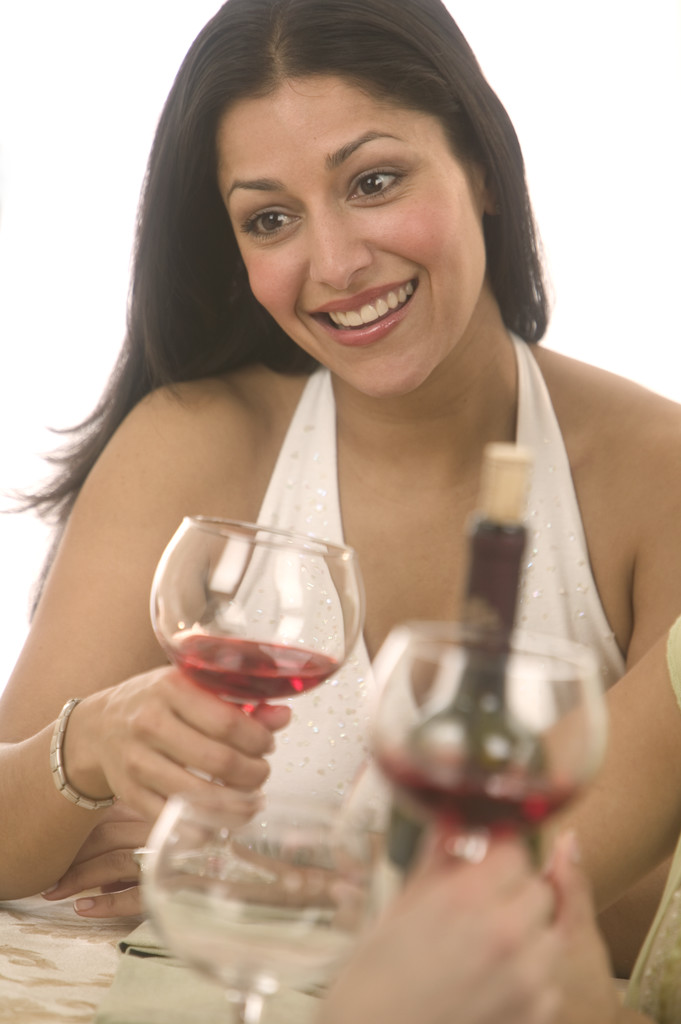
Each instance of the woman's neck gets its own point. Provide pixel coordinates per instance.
(440, 428)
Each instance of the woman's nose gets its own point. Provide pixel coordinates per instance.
(337, 251)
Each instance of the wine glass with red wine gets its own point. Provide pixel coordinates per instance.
(486, 734)
(255, 613)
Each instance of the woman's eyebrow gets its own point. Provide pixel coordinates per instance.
(257, 185)
(336, 159)
(333, 161)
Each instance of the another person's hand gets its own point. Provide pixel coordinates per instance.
(474, 943)
(158, 734)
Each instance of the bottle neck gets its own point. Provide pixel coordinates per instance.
(491, 594)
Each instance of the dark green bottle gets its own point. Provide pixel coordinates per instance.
(497, 540)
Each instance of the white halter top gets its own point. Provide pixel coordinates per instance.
(326, 741)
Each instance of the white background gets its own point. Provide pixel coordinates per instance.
(594, 90)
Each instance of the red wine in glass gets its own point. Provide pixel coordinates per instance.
(484, 739)
(470, 800)
(254, 613)
(249, 671)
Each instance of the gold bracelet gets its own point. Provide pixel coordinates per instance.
(57, 763)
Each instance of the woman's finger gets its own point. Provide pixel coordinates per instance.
(272, 716)
(127, 903)
(113, 835)
(109, 869)
(211, 716)
(147, 773)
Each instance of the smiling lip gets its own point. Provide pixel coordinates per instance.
(370, 315)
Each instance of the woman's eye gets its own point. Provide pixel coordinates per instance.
(264, 224)
(375, 183)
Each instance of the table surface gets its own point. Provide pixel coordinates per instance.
(57, 966)
(54, 965)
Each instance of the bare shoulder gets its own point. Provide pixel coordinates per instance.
(250, 404)
(608, 420)
(202, 448)
(211, 442)
(624, 447)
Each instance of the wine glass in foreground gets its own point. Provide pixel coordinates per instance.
(278, 901)
(485, 734)
(255, 613)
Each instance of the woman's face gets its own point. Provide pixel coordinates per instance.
(360, 231)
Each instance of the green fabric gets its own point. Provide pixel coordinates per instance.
(143, 941)
(633, 997)
(664, 938)
(674, 658)
(160, 990)
(151, 987)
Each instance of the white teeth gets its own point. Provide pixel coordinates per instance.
(368, 313)
(372, 311)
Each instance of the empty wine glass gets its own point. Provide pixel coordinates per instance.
(278, 901)
(486, 734)
(253, 612)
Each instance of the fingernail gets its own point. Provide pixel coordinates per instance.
(46, 892)
(84, 904)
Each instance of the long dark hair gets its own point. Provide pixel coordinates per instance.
(191, 311)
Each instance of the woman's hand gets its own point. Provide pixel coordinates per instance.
(159, 734)
(106, 862)
(464, 941)
(144, 739)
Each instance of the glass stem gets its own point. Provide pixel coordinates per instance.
(248, 1006)
(470, 845)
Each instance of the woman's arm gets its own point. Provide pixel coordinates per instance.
(629, 819)
(139, 723)
(624, 446)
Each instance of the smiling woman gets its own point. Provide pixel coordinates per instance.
(337, 301)
(81, 261)
(380, 215)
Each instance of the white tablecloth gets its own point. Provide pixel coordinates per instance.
(54, 965)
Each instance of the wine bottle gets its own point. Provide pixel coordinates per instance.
(496, 540)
